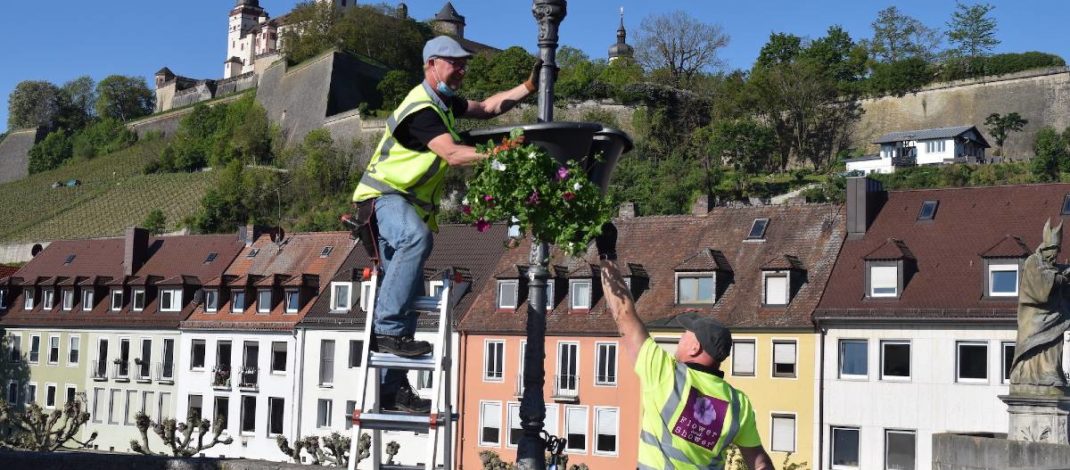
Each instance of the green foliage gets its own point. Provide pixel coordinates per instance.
(745, 144)
(897, 37)
(124, 98)
(215, 135)
(102, 137)
(1001, 126)
(82, 95)
(155, 222)
(900, 77)
(488, 72)
(324, 173)
(33, 103)
(241, 195)
(394, 86)
(972, 31)
(1052, 151)
(617, 76)
(958, 68)
(50, 152)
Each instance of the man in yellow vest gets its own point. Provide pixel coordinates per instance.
(405, 180)
(689, 413)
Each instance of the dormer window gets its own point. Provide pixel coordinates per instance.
(1003, 280)
(170, 299)
(139, 299)
(757, 229)
(928, 210)
(237, 301)
(434, 288)
(883, 280)
(550, 294)
(211, 300)
(27, 303)
(781, 279)
(1066, 205)
(1002, 265)
(341, 292)
(3, 299)
(888, 269)
(696, 288)
(293, 300)
(366, 288)
(50, 299)
(580, 293)
(263, 301)
(116, 300)
(87, 300)
(507, 293)
(775, 288)
(68, 300)
(702, 277)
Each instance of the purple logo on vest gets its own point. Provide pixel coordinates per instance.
(702, 420)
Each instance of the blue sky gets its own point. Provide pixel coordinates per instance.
(63, 39)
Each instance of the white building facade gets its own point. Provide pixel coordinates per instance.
(941, 146)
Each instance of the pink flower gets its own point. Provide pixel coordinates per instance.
(569, 195)
(482, 225)
(466, 209)
(488, 198)
(562, 173)
(534, 198)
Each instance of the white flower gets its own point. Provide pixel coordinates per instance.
(531, 155)
(464, 201)
(576, 187)
(497, 165)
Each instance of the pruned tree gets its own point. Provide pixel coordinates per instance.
(1001, 126)
(972, 30)
(897, 36)
(184, 439)
(333, 451)
(491, 461)
(35, 430)
(679, 44)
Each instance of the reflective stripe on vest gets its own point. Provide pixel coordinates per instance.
(395, 169)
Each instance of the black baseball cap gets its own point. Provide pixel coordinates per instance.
(714, 337)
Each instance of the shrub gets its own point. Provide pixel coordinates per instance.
(102, 137)
(51, 152)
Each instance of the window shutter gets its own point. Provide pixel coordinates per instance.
(577, 421)
(783, 433)
(492, 415)
(784, 353)
(776, 290)
(607, 422)
(884, 277)
(743, 358)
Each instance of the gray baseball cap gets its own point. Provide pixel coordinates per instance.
(714, 337)
(444, 46)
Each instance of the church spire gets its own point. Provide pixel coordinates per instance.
(621, 48)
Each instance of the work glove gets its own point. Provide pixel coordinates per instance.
(532, 83)
(606, 242)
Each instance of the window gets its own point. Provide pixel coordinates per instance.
(883, 281)
(16, 348)
(164, 409)
(493, 361)
(87, 300)
(147, 402)
(425, 379)
(53, 349)
(844, 448)
(237, 301)
(211, 257)
(101, 369)
(567, 383)
(606, 364)
(113, 406)
(116, 300)
(695, 288)
(783, 358)
(935, 146)
(1008, 356)
(743, 358)
(490, 424)
(1066, 205)
(168, 372)
(74, 350)
(366, 295)
(326, 251)
(139, 300)
(69, 260)
(145, 367)
(326, 362)
(221, 410)
(197, 354)
(515, 430)
(356, 349)
(98, 404)
(250, 363)
(13, 394)
(31, 393)
(124, 358)
(757, 229)
(550, 294)
(263, 301)
(854, 354)
(899, 449)
(350, 407)
(783, 428)
(68, 300)
(928, 210)
(50, 297)
(278, 356)
(170, 300)
(507, 294)
(1003, 280)
(277, 413)
(222, 355)
(323, 413)
(580, 292)
(35, 349)
(576, 428)
(340, 294)
(211, 300)
(28, 299)
(72, 394)
(293, 301)
(130, 407)
(776, 289)
(972, 361)
(248, 413)
(3, 298)
(895, 360)
(606, 429)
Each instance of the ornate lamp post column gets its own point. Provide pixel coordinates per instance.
(530, 456)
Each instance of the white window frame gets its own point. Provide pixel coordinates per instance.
(575, 358)
(586, 428)
(236, 294)
(766, 276)
(129, 411)
(3, 299)
(348, 288)
(595, 433)
(114, 395)
(324, 413)
(87, 299)
(58, 347)
(887, 432)
(1004, 373)
(994, 268)
(958, 369)
(832, 446)
(260, 307)
(211, 300)
(773, 417)
(30, 352)
(271, 415)
(192, 350)
(27, 298)
(30, 396)
(433, 285)
(67, 298)
(147, 397)
(285, 351)
(514, 286)
(483, 415)
(116, 300)
(171, 299)
(489, 360)
(577, 301)
(600, 377)
(753, 357)
(795, 360)
(74, 344)
(910, 359)
(366, 291)
(68, 389)
(134, 294)
(712, 275)
(873, 269)
(295, 306)
(840, 356)
(513, 409)
(325, 369)
(242, 411)
(50, 299)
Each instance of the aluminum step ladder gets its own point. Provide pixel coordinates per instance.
(439, 422)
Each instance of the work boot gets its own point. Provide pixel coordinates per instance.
(406, 400)
(404, 346)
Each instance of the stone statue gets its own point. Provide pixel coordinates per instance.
(1043, 316)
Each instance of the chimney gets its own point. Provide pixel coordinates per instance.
(627, 210)
(247, 234)
(135, 250)
(701, 206)
(864, 200)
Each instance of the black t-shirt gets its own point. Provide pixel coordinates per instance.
(419, 128)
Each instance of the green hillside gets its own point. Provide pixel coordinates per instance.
(113, 195)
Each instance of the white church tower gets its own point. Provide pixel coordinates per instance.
(244, 17)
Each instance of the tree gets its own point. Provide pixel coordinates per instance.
(124, 98)
(971, 30)
(241, 196)
(179, 436)
(394, 86)
(51, 152)
(101, 138)
(82, 96)
(34, 430)
(578, 74)
(781, 48)
(745, 144)
(334, 449)
(679, 44)
(1052, 154)
(1001, 126)
(155, 222)
(489, 73)
(897, 36)
(33, 103)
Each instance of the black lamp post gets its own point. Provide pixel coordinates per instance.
(530, 452)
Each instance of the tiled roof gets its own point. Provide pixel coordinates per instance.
(454, 246)
(782, 263)
(889, 250)
(948, 280)
(661, 244)
(1007, 247)
(923, 134)
(274, 266)
(706, 259)
(448, 13)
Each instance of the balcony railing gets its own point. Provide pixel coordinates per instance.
(221, 377)
(142, 371)
(98, 370)
(121, 371)
(905, 157)
(566, 388)
(249, 378)
(165, 371)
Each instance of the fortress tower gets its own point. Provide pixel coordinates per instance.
(244, 17)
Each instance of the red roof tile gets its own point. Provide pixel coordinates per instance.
(891, 249)
(1007, 247)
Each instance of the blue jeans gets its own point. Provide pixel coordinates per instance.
(404, 244)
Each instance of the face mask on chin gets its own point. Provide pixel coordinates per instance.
(442, 88)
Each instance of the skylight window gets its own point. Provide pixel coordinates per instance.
(928, 210)
(326, 251)
(211, 257)
(757, 230)
(1066, 205)
(252, 253)
(70, 259)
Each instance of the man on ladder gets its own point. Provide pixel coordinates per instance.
(403, 184)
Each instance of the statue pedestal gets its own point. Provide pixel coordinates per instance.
(1038, 418)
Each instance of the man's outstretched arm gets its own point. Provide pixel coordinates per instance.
(622, 307)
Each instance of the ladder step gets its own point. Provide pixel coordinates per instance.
(427, 304)
(418, 423)
(391, 361)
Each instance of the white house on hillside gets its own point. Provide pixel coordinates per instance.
(940, 146)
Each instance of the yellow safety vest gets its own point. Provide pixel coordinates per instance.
(688, 417)
(394, 169)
